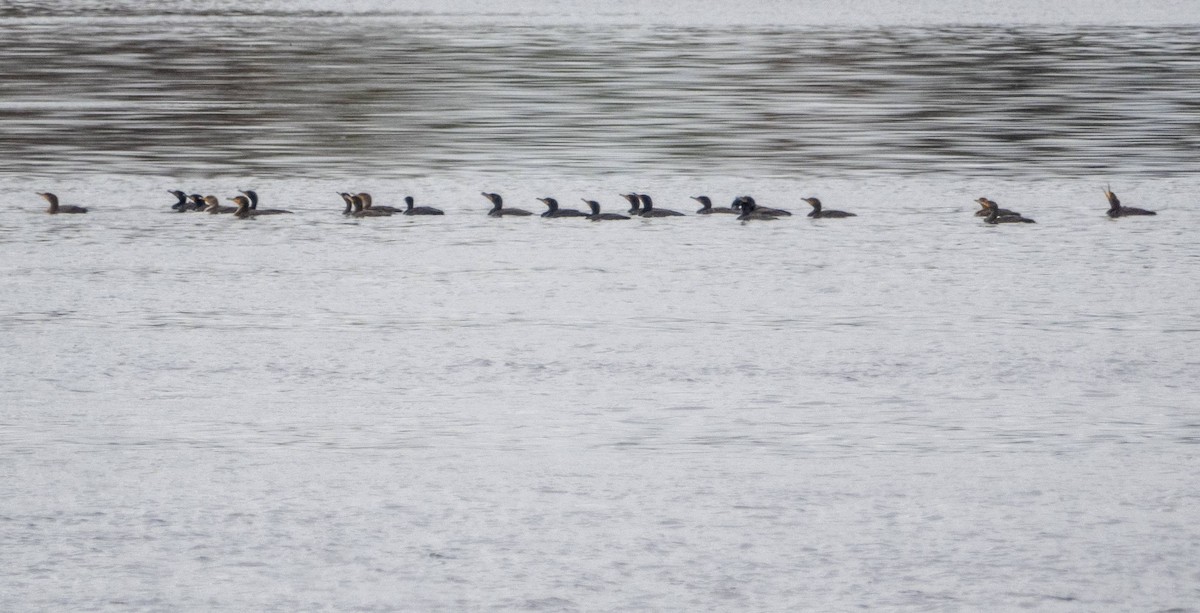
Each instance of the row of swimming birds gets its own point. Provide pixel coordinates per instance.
(641, 205)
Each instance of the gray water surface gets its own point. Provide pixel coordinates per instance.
(379, 91)
(907, 410)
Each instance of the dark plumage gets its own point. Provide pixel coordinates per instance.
(635, 203)
(709, 209)
(750, 211)
(554, 211)
(420, 210)
(56, 208)
(818, 213)
(196, 203)
(597, 215)
(648, 209)
(984, 203)
(498, 209)
(213, 206)
(255, 211)
(1115, 209)
(369, 204)
(182, 205)
(741, 202)
(362, 211)
(994, 216)
(243, 207)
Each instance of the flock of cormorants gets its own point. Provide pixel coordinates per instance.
(641, 205)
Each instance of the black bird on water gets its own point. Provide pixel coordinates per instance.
(635, 203)
(818, 213)
(1115, 209)
(498, 209)
(56, 208)
(985, 208)
(420, 210)
(182, 205)
(254, 210)
(360, 209)
(994, 216)
(648, 209)
(369, 204)
(213, 206)
(741, 203)
(554, 211)
(750, 211)
(243, 207)
(196, 203)
(597, 215)
(709, 209)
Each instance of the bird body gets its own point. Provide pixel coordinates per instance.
(1115, 209)
(597, 215)
(819, 213)
(498, 209)
(648, 209)
(552, 209)
(420, 210)
(56, 208)
(709, 209)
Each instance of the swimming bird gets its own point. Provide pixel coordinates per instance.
(635, 202)
(597, 215)
(708, 208)
(369, 204)
(554, 211)
(181, 206)
(1115, 209)
(349, 203)
(817, 213)
(648, 209)
(56, 208)
(741, 201)
(420, 210)
(243, 207)
(750, 211)
(254, 210)
(985, 209)
(498, 209)
(197, 203)
(994, 216)
(360, 211)
(213, 206)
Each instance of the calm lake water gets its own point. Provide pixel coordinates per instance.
(906, 410)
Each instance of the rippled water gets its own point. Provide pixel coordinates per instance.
(907, 410)
(400, 92)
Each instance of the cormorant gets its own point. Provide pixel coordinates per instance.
(360, 211)
(817, 213)
(648, 209)
(420, 210)
(709, 209)
(994, 216)
(255, 211)
(1115, 209)
(597, 215)
(498, 209)
(985, 209)
(635, 203)
(554, 211)
(56, 208)
(243, 207)
(369, 205)
(750, 210)
(741, 202)
(181, 206)
(212, 205)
